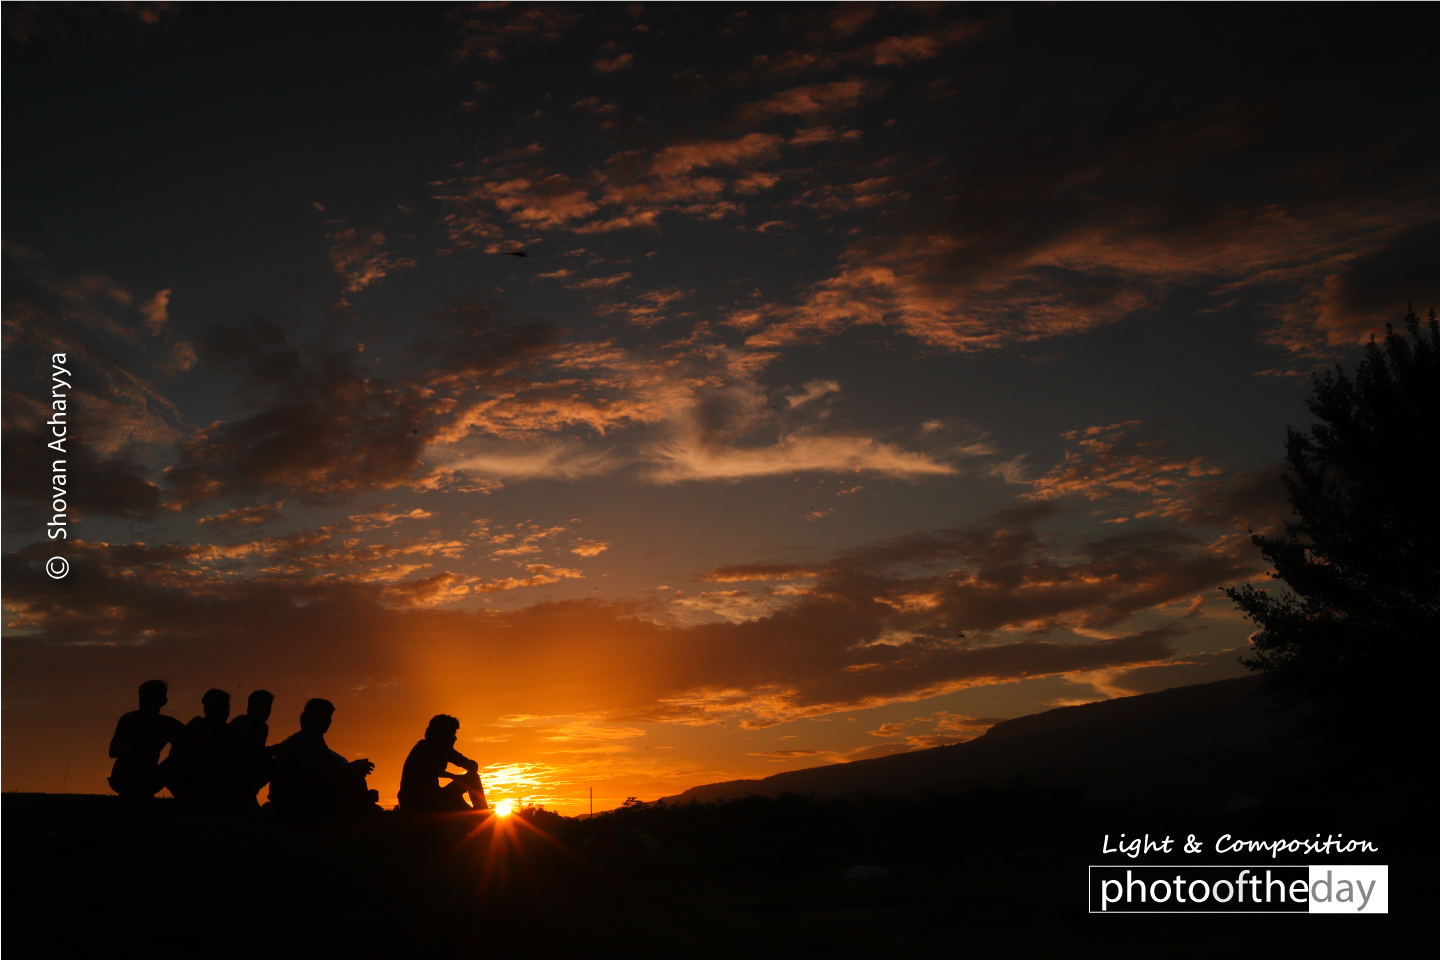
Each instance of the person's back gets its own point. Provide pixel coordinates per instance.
(203, 766)
(139, 737)
(309, 779)
(249, 732)
(420, 790)
(303, 769)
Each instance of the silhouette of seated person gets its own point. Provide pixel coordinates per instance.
(420, 790)
(139, 737)
(250, 731)
(204, 766)
(308, 779)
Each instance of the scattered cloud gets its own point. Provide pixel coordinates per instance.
(490, 31)
(811, 391)
(861, 611)
(361, 258)
(811, 101)
(593, 105)
(599, 283)
(1374, 289)
(157, 309)
(897, 50)
(685, 157)
(1000, 576)
(1130, 466)
(1129, 457)
(242, 517)
(614, 64)
(792, 754)
(690, 457)
(935, 730)
(321, 429)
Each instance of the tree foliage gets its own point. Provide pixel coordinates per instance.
(1359, 623)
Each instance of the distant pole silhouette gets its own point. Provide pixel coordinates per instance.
(592, 803)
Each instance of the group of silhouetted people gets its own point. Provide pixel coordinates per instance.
(216, 761)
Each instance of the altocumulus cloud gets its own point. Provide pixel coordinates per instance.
(869, 626)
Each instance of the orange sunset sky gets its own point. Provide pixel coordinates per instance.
(872, 372)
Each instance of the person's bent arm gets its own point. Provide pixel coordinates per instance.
(462, 761)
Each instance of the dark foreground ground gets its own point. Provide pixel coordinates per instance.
(987, 872)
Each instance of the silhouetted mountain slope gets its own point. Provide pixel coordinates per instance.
(1226, 716)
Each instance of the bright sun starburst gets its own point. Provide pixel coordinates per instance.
(504, 808)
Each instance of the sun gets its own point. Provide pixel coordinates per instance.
(504, 808)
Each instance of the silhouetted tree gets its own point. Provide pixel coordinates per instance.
(1355, 632)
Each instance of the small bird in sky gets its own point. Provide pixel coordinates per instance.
(514, 253)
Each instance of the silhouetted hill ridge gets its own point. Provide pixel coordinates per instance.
(1222, 716)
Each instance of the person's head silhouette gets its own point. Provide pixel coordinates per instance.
(259, 703)
(153, 695)
(316, 716)
(443, 729)
(216, 704)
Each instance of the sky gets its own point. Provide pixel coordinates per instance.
(673, 394)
